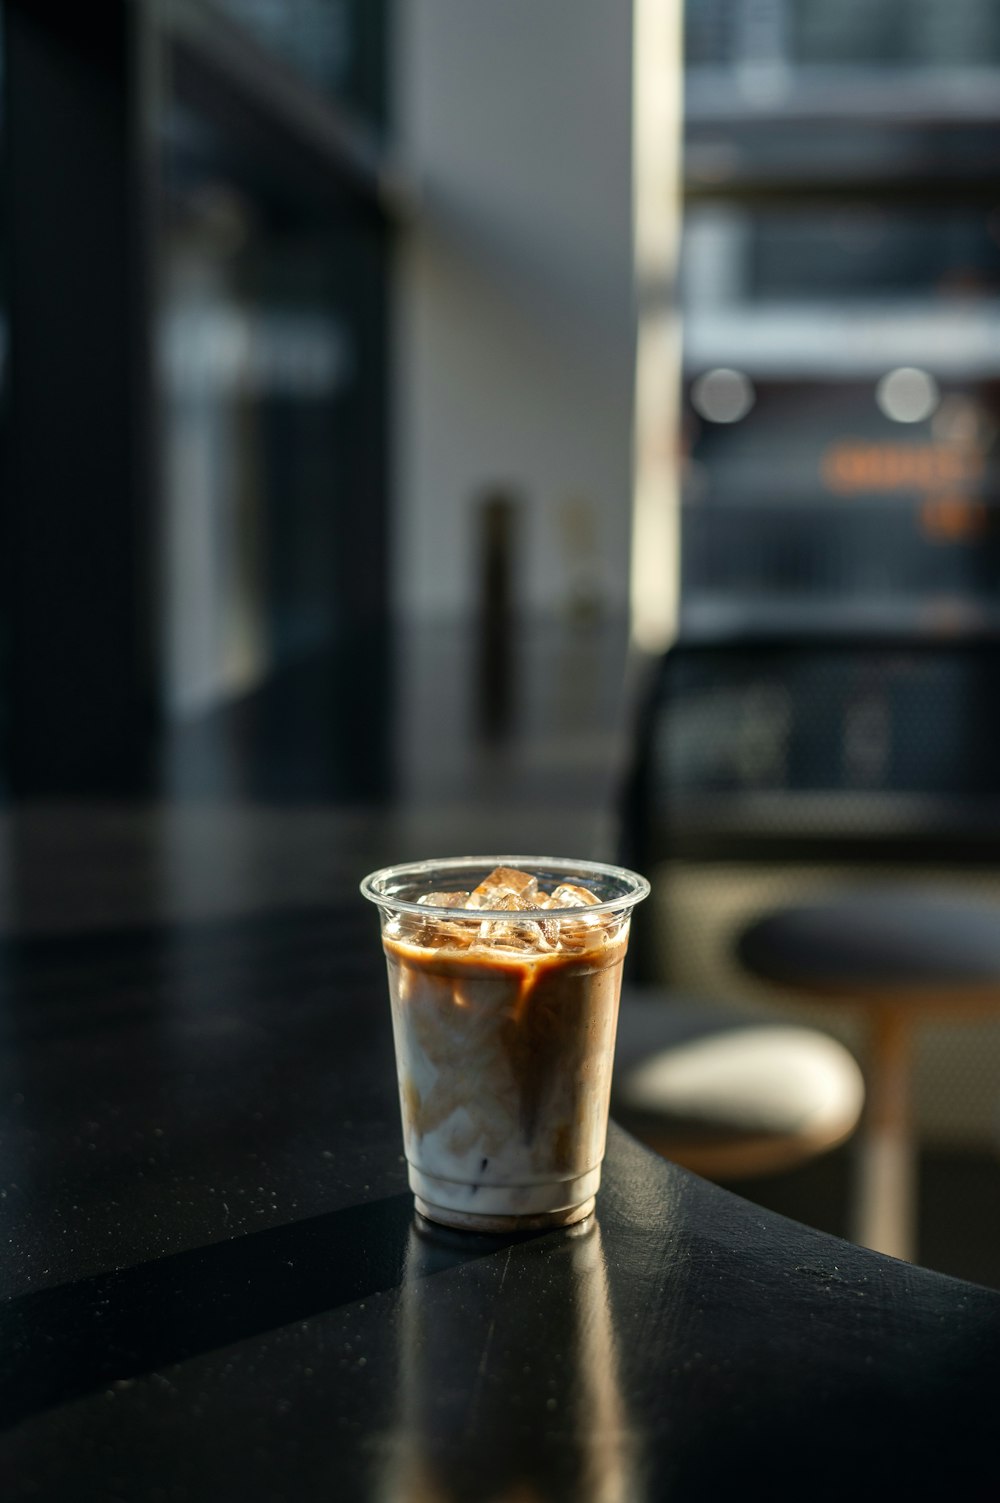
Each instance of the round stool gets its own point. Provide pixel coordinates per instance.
(899, 955)
(729, 1097)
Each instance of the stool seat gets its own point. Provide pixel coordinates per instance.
(882, 937)
(729, 1097)
(901, 955)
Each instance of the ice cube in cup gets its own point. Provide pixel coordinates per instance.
(505, 1037)
(504, 882)
(572, 895)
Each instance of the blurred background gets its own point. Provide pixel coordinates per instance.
(388, 384)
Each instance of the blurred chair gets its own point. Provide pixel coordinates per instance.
(822, 816)
(726, 1095)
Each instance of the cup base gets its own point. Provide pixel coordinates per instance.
(504, 1208)
(532, 1221)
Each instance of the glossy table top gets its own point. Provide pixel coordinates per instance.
(214, 1285)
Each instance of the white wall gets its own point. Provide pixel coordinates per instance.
(515, 335)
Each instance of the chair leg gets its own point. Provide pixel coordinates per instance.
(885, 1207)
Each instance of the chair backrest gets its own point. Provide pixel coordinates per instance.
(823, 755)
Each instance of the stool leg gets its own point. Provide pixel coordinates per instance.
(886, 1192)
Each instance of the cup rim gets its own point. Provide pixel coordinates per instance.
(637, 886)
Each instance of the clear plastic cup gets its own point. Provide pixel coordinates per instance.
(504, 1024)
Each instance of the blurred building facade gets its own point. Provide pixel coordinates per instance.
(840, 281)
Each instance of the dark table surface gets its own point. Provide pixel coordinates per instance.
(214, 1286)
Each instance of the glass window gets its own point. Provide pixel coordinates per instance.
(272, 364)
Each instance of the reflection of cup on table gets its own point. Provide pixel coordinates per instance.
(485, 1408)
(504, 980)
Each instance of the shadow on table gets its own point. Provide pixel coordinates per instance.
(58, 1344)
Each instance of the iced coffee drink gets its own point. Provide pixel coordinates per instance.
(504, 979)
